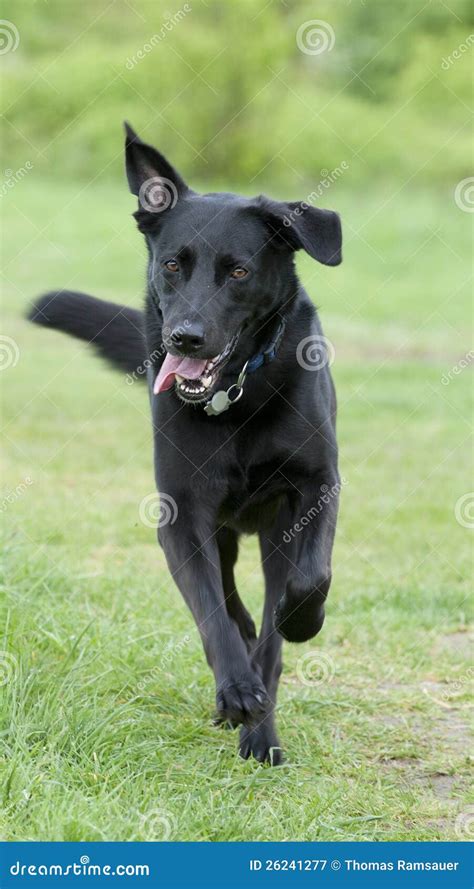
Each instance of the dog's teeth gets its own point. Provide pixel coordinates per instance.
(199, 386)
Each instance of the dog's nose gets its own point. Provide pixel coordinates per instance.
(188, 339)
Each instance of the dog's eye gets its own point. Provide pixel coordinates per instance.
(239, 272)
(171, 265)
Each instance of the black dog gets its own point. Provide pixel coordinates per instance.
(245, 437)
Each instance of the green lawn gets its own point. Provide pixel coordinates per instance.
(106, 727)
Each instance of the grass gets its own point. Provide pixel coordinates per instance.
(106, 723)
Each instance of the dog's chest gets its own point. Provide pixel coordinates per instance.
(254, 495)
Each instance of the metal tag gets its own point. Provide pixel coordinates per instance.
(219, 403)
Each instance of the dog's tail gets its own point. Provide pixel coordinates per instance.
(116, 332)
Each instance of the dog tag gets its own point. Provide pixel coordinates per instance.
(219, 403)
(221, 400)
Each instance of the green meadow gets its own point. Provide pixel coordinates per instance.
(106, 700)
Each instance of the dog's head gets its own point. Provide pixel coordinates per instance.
(219, 264)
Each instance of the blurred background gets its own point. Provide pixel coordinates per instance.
(227, 91)
(364, 105)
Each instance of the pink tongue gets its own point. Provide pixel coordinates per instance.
(189, 368)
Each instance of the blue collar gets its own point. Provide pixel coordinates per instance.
(269, 353)
(222, 400)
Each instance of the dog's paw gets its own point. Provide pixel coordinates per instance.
(261, 743)
(223, 723)
(242, 700)
(299, 615)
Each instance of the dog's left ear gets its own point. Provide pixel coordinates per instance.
(297, 225)
(145, 168)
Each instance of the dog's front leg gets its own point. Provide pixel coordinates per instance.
(299, 615)
(193, 558)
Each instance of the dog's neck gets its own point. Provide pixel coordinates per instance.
(224, 399)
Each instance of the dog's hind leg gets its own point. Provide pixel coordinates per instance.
(261, 741)
(227, 542)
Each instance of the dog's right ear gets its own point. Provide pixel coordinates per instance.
(150, 177)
